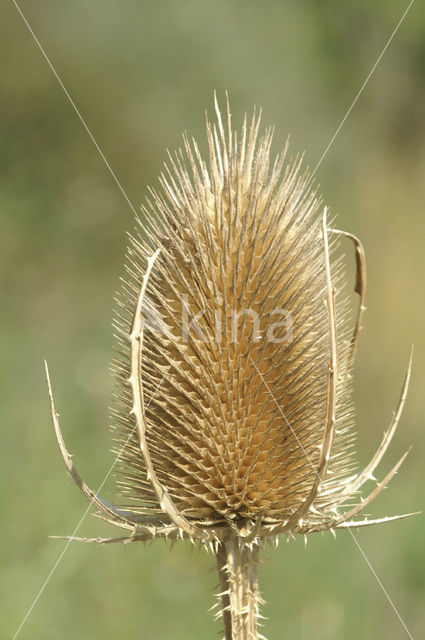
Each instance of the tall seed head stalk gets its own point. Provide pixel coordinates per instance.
(232, 416)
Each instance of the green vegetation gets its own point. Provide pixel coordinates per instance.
(141, 73)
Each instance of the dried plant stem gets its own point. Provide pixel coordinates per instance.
(237, 566)
(227, 434)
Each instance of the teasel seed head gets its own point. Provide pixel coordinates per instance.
(232, 415)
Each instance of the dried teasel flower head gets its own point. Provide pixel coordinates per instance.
(232, 415)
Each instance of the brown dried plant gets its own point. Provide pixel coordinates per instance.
(232, 429)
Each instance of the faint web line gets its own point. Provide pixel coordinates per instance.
(380, 584)
(85, 513)
(361, 89)
(333, 500)
(83, 122)
(132, 208)
(318, 163)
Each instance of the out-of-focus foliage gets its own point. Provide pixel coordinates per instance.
(141, 73)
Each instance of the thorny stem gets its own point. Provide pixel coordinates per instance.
(237, 566)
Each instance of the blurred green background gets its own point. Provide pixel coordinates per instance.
(141, 73)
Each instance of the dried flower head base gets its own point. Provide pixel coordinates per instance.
(232, 416)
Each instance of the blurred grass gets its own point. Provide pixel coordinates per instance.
(141, 73)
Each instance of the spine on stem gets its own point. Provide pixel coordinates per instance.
(237, 565)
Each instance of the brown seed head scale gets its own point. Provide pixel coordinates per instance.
(232, 415)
